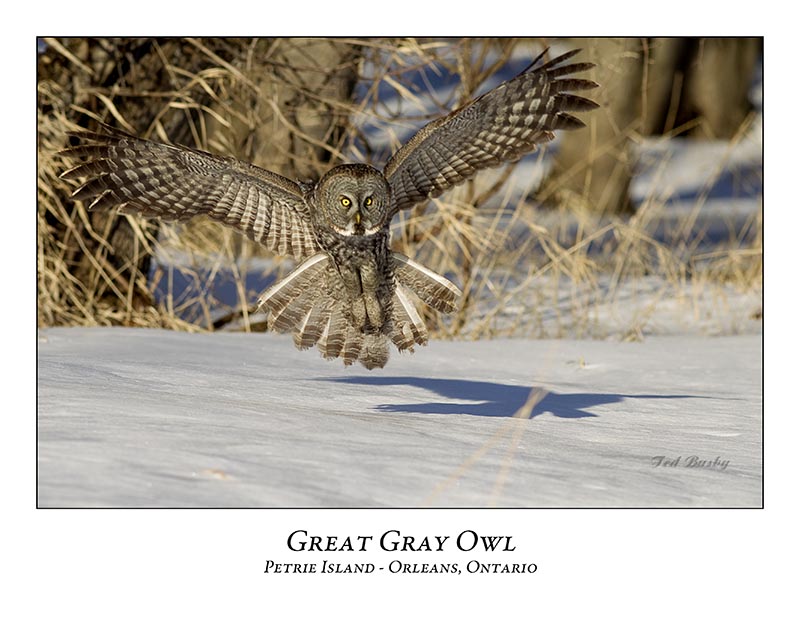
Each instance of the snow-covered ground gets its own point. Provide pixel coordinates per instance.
(134, 417)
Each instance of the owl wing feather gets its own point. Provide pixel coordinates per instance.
(177, 183)
(497, 127)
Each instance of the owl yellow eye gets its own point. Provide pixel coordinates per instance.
(368, 201)
(345, 201)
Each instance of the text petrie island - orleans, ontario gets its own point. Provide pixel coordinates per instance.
(398, 566)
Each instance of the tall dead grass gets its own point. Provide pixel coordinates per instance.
(524, 271)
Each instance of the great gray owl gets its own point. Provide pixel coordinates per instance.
(348, 293)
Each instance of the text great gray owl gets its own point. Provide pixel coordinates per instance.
(348, 294)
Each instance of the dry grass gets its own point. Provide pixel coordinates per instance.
(524, 271)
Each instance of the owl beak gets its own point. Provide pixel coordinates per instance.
(357, 217)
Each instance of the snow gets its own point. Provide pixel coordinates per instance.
(135, 417)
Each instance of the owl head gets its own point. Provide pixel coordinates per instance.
(353, 199)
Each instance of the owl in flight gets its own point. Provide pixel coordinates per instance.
(348, 294)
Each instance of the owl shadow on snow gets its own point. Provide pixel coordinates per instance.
(491, 398)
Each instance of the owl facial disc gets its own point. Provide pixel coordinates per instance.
(354, 199)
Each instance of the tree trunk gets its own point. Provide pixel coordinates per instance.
(592, 167)
(681, 86)
(301, 105)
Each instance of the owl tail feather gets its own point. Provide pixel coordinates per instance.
(287, 301)
(303, 304)
(407, 325)
(374, 351)
(431, 288)
(297, 305)
(434, 290)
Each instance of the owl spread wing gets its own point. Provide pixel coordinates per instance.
(178, 183)
(495, 128)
